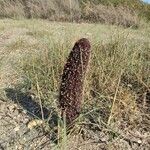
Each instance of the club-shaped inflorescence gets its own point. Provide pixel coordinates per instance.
(71, 88)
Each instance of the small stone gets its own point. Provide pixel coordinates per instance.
(24, 111)
(129, 85)
(16, 128)
(139, 141)
(34, 123)
(11, 108)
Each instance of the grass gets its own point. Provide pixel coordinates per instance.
(117, 76)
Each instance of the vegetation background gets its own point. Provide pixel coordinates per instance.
(122, 12)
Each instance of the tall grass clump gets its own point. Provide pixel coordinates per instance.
(120, 15)
(44, 71)
(46, 9)
(141, 8)
(123, 70)
(11, 9)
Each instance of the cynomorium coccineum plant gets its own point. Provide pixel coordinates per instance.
(71, 88)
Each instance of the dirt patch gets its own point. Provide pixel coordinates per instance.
(14, 133)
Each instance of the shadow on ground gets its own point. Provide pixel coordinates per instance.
(31, 106)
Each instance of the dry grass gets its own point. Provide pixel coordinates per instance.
(111, 15)
(55, 10)
(46, 9)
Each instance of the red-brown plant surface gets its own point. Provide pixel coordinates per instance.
(71, 88)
